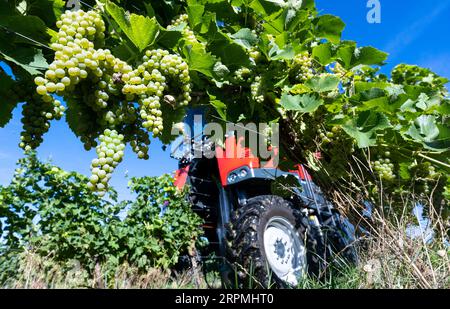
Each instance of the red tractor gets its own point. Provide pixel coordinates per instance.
(270, 227)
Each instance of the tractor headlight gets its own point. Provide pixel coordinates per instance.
(243, 173)
(232, 177)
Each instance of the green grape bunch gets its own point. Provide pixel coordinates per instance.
(149, 81)
(37, 114)
(256, 90)
(116, 102)
(181, 20)
(242, 75)
(384, 169)
(303, 67)
(110, 153)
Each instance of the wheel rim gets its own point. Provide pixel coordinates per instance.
(284, 250)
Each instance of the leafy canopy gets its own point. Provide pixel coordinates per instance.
(265, 61)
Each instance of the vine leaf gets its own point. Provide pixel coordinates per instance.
(245, 37)
(305, 103)
(141, 30)
(171, 116)
(231, 54)
(426, 103)
(170, 38)
(199, 59)
(195, 13)
(368, 86)
(380, 104)
(219, 106)
(363, 127)
(424, 129)
(323, 83)
(30, 59)
(28, 28)
(329, 27)
(276, 53)
(351, 56)
(47, 10)
(322, 53)
(7, 105)
(369, 56)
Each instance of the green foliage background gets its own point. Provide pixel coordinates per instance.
(51, 212)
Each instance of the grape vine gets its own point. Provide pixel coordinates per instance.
(109, 87)
(129, 70)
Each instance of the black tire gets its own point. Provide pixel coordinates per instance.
(245, 244)
(340, 243)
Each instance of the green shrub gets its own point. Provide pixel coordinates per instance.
(53, 213)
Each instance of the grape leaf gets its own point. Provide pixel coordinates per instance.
(424, 129)
(7, 104)
(199, 60)
(30, 59)
(47, 10)
(345, 53)
(378, 104)
(329, 27)
(219, 106)
(28, 29)
(404, 170)
(351, 56)
(305, 103)
(366, 86)
(264, 7)
(363, 127)
(281, 54)
(368, 56)
(442, 141)
(372, 93)
(231, 54)
(275, 23)
(322, 53)
(171, 116)
(141, 30)
(432, 136)
(425, 103)
(195, 13)
(170, 38)
(323, 83)
(245, 37)
(220, 70)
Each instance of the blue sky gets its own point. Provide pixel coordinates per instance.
(415, 32)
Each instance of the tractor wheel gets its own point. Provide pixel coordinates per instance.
(271, 244)
(340, 243)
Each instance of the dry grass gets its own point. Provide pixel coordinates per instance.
(389, 257)
(37, 272)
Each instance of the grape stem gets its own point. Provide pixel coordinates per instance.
(434, 160)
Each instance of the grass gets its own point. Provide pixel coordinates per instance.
(389, 259)
(37, 272)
